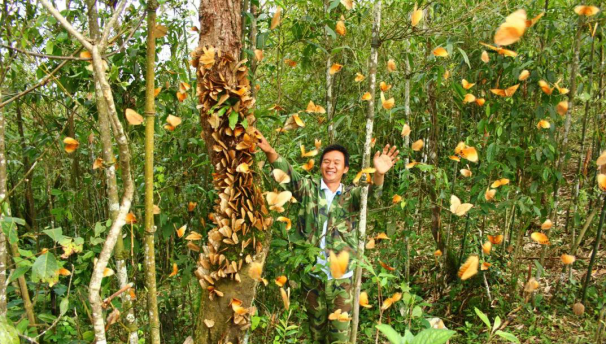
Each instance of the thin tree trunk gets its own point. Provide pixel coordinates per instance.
(407, 99)
(30, 208)
(150, 113)
(217, 61)
(573, 84)
(596, 247)
(96, 49)
(27, 302)
(112, 187)
(370, 116)
(329, 82)
(5, 210)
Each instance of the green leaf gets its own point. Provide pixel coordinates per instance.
(408, 337)
(433, 336)
(45, 269)
(507, 336)
(330, 32)
(99, 228)
(233, 120)
(20, 271)
(391, 334)
(222, 110)
(16, 220)
(254, 322)
(417, 312)
(497, 323)
(333, 5)
(483, 317)
(465, 57)
(50, 45)
(64, 305)
(55, 233)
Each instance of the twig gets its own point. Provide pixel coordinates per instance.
(114, 295)
(487, 288)
(54, 57)
(110, 24)
(42, 82)
(32, 340)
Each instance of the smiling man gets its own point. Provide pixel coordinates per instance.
(328, 219)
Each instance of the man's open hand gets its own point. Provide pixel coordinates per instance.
(384, 161)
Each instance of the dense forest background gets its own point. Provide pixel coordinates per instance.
(111, 186)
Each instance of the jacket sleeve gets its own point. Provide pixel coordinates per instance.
(374, 195)
(298, 184)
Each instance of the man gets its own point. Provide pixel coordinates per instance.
(327, 219)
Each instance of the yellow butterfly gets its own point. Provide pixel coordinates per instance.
(458, 208)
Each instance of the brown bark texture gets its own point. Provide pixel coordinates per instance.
(231, 259)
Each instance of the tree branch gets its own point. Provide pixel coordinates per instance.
(109, 25)
(53, 11)
(42, 82)
(53, 57)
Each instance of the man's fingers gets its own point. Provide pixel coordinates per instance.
(386, 149)
(377, 153)
(392, 150)
(395, 154)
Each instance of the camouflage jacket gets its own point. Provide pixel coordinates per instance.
(342, 216)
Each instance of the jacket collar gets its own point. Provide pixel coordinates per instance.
(324, 187)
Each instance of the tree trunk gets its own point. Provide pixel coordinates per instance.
(329, 83)
(4, 205)
(30, 209)
(113, 200)
(370, 116)
(150, 113)
(100, 76)
(242, 234)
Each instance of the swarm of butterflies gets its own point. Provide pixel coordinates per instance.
(509, 32)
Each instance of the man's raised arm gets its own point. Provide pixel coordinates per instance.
(383, 162)
(269, 151)
(298, 184)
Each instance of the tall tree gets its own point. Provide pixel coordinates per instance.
(113, 198)
(240, 238)
(96, 48)
(3, 206)
(370, 116)
(149, 250)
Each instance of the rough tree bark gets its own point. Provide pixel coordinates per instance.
(241, 234)
(370, 117)
(150, 112)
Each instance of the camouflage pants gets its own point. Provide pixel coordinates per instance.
(322, 299)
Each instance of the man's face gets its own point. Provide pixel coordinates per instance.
(333, 166)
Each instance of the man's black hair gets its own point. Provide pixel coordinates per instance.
(339, 148)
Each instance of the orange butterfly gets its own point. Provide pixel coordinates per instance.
(508, 92)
